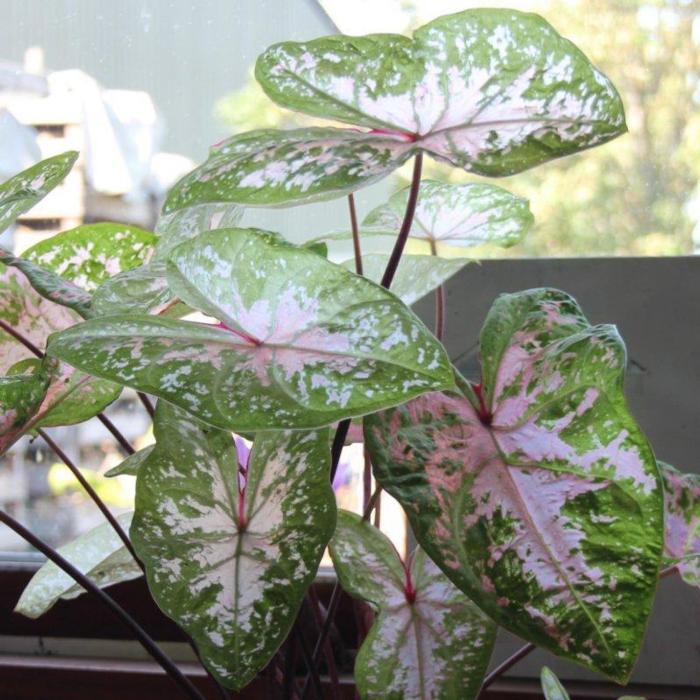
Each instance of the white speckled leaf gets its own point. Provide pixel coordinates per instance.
(90, 254)
(230, 549)
(429, 641)
(416, 276)
(464, 216)
(301, 342)
(682, 538)
(536, 492)
(21, 192)
(493, 91)
(98, 553)
(268, 168)
(50, 285)
(21, 395)
(551, 686)
(70, 396)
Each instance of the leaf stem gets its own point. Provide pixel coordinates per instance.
(147, 404)
(20, 338)
(143, 637)
(355, 235)
(439, 301)
(126, 445)
(92, 493)
(406, 224)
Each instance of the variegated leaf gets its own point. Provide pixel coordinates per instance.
(429, 640)
(416, 276)
(21, 192)
(464, 216)
(70, 396)
(90, 254)
(187, 223)
(682, 539)
(21, 395)
(551, 686)
(536, 492)
(230, 549)
(268, 168)
(493, 91)
(50, 285)
(300, 342)
(99, 554)
(131, 465)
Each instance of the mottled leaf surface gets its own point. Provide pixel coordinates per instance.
(21, 395)
(493, 91)
(21, 192)
(682, 538)
(268, 168)
(465, 216)
(90, 254)
(428, 640)
(230, 549)
(301, 342)
(536, 492)
(50, 285)
(99, 554)
(416, 276)
(70, 396)
(183, 224)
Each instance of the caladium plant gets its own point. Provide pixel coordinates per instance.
(535, 498)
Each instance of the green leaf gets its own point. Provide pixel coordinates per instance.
(542, 500)
(492, 91)
(141, 290)
(132, 464)
(90, 254)
(551, 686)
(428, 640)
(416, 276)
(268, 168)
(187, 223)
(71, 396)
(99, 554)
(50, 285)
(231, 549)
(465, 216)
(682, 534)
(20, 398)
(21, 192)
(301, 342)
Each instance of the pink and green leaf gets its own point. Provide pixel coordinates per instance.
(682, 539)
(230, 548)
(489, 90)
(428, 639)
(21, 192)
(536, 491)
(299, 343)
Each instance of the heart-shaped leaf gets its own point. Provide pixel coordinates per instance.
(268, 168)
(682, 539)
(89, 255)
(98, 553)
(21, 192)
(50, 285)
(464, 216)
(301, 342)
(429, 640)
(230, 549)
(551, 686)
(492, 91)
(536, 492)
(416, 276)
(71, 396)
(187, 223)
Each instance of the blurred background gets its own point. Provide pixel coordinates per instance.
(143, 87)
